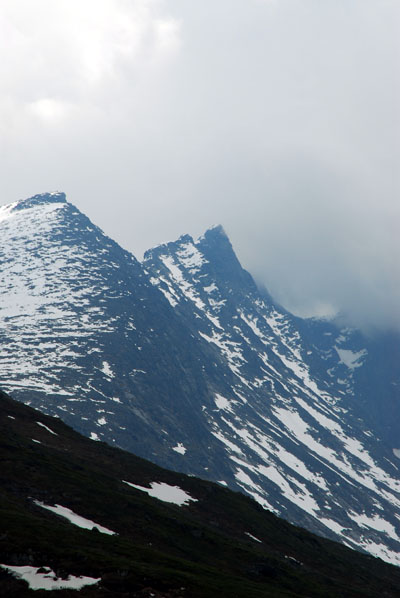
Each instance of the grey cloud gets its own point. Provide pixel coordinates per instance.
(278, 119)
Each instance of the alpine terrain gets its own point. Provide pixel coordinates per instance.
(81, 516)
(185, 361)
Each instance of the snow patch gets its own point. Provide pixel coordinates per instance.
(382, 552)
(191, 257)
(332, 525)
(46, 428)
(212, 287)
(106, 369)
(74, 518)
(376, 523)
(222, 403)
(253, 537)
(351, 358)
(47, 579)
(166, 493)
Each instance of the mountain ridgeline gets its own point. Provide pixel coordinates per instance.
(183, 360)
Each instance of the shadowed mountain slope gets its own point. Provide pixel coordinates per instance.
(217, 543)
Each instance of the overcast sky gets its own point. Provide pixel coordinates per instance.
(278, 119)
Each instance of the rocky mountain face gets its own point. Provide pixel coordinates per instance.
(184, 360)
(87, 337)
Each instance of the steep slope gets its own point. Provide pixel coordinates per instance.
(184, 361)
(77, 514)
(290, 419)
(85, 336)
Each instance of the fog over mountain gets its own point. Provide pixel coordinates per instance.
(277, 118)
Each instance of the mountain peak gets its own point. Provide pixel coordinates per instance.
(215, 244)
(214, 232)
(216, 239)
(41, 199)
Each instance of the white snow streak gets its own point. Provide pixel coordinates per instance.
(74, 518)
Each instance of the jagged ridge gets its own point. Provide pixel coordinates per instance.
(185, 361)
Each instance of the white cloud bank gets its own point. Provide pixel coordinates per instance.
(278, 119)
(69, 60)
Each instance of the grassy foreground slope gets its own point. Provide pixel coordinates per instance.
(223, 544)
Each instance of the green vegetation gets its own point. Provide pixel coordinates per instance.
(161, 549)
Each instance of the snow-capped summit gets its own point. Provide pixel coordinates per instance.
(41, 199)
(84, 334)
(183, 360)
